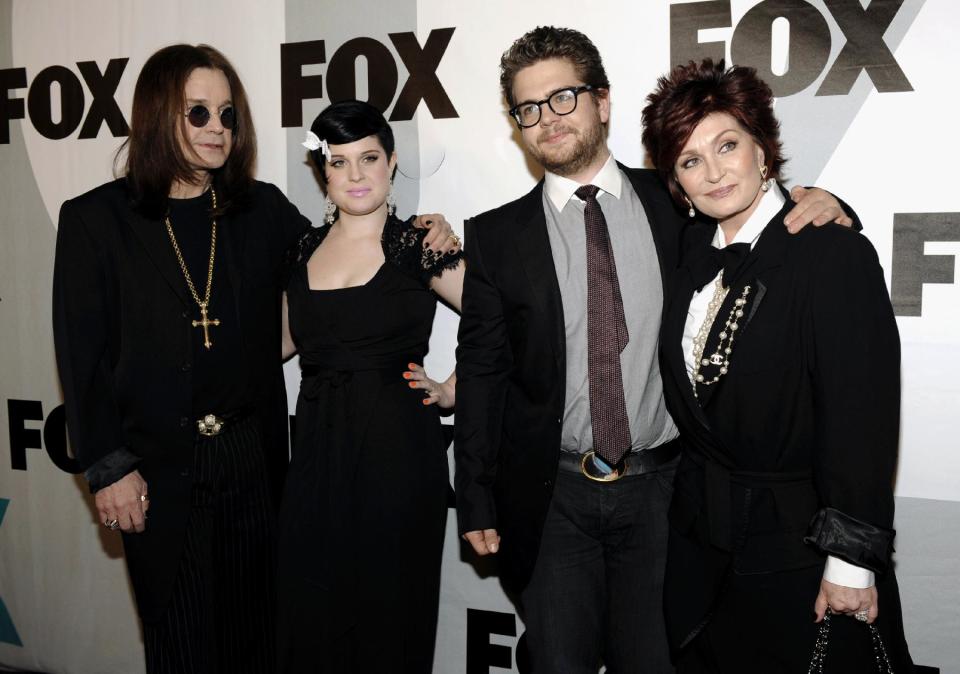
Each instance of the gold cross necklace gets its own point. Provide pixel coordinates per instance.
(205, 322)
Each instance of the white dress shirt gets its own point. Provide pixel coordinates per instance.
(560, 189)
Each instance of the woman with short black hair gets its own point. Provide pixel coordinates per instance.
(365, 503)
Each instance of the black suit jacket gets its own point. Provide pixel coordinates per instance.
(121, 320)
(799, 438)
(511, 368)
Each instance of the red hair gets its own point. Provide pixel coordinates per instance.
(689, 93)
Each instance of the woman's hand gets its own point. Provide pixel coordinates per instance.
(846, 600)
(441, 393)
(440, 236)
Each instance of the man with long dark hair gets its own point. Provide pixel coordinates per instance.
(167, 329)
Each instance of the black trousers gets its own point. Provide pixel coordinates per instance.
(596, 594)
(220, 618)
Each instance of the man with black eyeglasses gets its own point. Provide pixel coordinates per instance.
(565, 451)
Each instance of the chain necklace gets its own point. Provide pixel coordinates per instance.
(205, 322)
(720, 355)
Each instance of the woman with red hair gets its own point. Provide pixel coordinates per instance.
(780, 358)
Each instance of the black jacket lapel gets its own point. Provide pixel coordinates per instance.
(535, 254)
(675, 321)
(153, 235)
(767, 255)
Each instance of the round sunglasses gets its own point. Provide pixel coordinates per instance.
(199, 116)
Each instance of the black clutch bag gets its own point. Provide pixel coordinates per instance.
(823, 639)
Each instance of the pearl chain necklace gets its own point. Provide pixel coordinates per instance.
(721, 355)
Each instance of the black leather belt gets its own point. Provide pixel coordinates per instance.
(635, 463)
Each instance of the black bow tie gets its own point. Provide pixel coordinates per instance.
(729, 259)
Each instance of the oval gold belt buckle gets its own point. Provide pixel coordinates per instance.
(586, 464)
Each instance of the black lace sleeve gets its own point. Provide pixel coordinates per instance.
(403, 245)
(298, 254)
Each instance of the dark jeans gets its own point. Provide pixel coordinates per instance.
(596, 595)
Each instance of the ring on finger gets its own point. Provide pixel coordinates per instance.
(112, 525)
(861, 615)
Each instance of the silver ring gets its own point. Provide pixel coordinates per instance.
(861, 615)
(143, 498)
(112, 525)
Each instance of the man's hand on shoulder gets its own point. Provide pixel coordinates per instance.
(124, 502)
(484, 542)
(814, 206)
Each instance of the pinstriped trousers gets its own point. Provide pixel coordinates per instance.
(220, 619)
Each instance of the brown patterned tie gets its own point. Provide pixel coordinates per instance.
(606, 336)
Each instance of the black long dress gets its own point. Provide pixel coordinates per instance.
(365, 503)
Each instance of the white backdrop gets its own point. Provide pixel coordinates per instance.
(886, 145)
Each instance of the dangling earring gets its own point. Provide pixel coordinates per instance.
(691, 212)
(330, 212)
(765, 185)
(391, 201)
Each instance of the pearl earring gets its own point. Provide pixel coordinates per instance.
(691, 212)
(765, 185)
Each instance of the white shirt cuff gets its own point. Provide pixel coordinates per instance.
(844, 573)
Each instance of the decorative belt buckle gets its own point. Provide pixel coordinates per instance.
(589, 469)
(210, 425)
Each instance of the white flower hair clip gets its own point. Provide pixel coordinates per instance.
(313, 142)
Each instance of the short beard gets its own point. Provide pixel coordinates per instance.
(587, 149)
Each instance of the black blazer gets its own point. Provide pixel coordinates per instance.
(121, 321)
(511, 368)
(799, 438)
